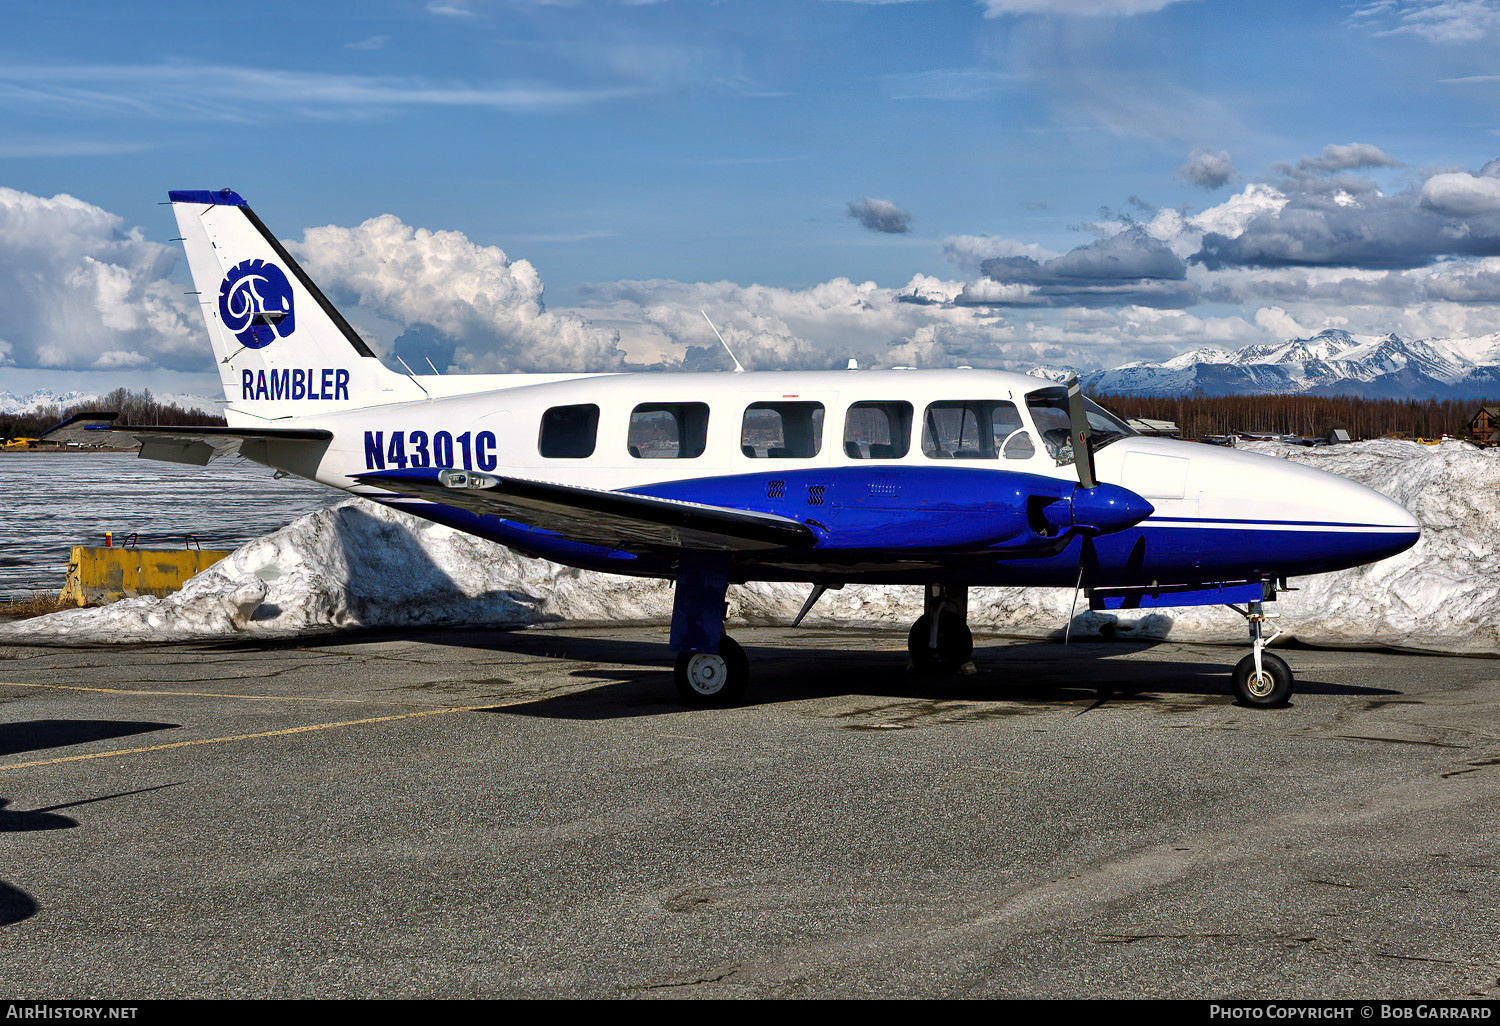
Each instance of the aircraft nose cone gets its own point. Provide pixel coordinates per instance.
(1399, 530)
(1106, 508)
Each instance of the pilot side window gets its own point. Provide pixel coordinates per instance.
(569, 432)
(975, 429)
(1049, 411)
(668, 431)
(782, 430)
(1012, 440)
(877, 430)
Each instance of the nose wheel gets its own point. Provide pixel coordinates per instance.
(1261, 679)
(1268, 686)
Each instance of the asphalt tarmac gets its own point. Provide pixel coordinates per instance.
(533, 814)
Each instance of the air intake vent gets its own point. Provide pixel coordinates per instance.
(776, 489)
(815, 495)
(885, 485)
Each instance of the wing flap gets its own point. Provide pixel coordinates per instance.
(597, 516)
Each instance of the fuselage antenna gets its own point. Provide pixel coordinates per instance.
(737, 368)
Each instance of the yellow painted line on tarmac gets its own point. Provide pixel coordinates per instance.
(269, 733)
(205, 694)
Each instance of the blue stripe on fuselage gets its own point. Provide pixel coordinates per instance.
(891, 523)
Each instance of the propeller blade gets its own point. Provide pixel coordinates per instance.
(1078, 429)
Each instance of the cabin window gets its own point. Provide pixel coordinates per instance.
(668, 431)
(782, 430)
(569, 432)
(975, 429)
(877, 430)
(1012, 440)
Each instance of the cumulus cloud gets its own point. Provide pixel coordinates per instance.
(768, 328)
(1234, 215)
(489, 306)
(79, 290)
(1130, 267)
(1207, 169)
(1348, 221)
(967, 252)
(1460, 194)
(1347, 158)
(929, 322)
(880, 216)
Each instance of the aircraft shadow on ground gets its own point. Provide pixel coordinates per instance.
(37, 735)
(14, 821)
(635, 676)
(1038, 673)
(15, 905)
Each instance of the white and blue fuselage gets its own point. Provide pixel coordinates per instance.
(1217, 513)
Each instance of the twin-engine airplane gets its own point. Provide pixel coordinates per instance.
(944, 479)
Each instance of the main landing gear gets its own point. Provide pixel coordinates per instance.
(713, 678)
(1261, 679)
(940, 640)
(711, 667)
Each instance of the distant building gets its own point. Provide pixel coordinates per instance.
(1338, 436)
(1484, 426)
(1164, 428)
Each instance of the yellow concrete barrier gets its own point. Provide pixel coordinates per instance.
(98, 576)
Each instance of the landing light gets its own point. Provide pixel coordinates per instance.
(466, 479)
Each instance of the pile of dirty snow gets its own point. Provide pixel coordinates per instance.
(362, 565)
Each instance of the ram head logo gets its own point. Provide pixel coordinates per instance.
(255, 303)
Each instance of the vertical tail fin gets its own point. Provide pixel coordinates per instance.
(281, 347)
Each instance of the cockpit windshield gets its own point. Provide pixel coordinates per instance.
(1049, 410)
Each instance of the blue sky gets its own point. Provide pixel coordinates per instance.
(827, 177)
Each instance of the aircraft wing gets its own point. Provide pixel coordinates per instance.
(597, 516)
(195, 445)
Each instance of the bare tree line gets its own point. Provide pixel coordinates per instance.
(133, 407)
(1306, 415)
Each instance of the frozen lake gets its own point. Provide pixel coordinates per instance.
(53, 501)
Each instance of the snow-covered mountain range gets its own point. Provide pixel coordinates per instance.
(11, 403)
(1330, 363)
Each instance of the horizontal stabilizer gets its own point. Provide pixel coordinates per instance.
(173, 444)
(618, 520)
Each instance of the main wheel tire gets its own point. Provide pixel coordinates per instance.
(707, 680)
(955, 644)
(1273, 687)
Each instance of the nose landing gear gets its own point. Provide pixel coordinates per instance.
(1261, 679)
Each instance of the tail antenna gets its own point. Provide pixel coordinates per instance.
(737, 368)
(413, 377)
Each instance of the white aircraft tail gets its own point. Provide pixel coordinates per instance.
(282, 349)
